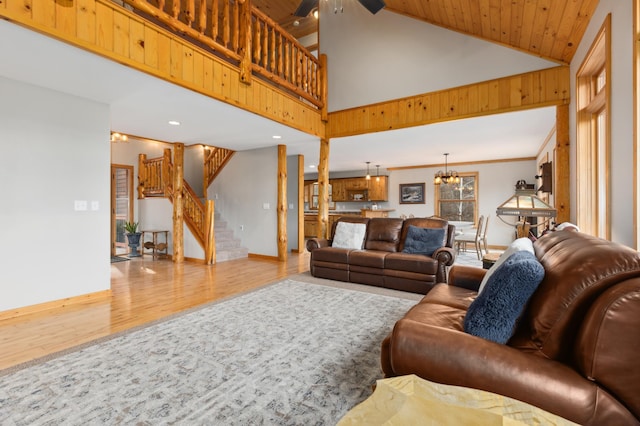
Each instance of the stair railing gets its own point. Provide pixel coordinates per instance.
(155, 179)
(214, 160)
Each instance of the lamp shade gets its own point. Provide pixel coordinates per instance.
(524, 203)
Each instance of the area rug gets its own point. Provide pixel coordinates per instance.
(115, 259)
(290, 353)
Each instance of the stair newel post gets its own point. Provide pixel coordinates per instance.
(166, 171)
(142, 175)
(210, 240)
(282, 203)
(323, 190)
(178, 203)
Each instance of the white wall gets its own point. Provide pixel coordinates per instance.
(241, 190)
(622, 159)
(55, 150)
(292, 203)
(367, 65)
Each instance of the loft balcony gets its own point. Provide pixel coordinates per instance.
(224, 49)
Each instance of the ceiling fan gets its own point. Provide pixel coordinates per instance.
(306, 6)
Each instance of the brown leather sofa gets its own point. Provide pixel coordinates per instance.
(381, 262)
(575, 348)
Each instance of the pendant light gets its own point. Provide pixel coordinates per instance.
(368, 177)
(377, 172)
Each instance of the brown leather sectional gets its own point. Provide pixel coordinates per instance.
(576, 346)
(381, 261)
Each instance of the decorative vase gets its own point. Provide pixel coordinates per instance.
(134, 243)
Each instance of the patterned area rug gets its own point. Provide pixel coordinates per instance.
(115, 259)
(291, 353)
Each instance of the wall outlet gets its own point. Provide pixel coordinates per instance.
(95, 205)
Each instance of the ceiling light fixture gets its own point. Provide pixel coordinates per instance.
(276, 137)
(447, 176)
(368, 177)
(118, 137)
(174, 122)
(377, 172)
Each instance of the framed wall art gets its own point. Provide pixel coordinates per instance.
(412, 193)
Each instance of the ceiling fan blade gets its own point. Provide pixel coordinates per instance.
(373, 6)
(305, 7)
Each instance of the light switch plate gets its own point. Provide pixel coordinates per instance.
(80, 205)
(266, 206)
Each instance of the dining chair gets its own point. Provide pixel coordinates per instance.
(475, 238)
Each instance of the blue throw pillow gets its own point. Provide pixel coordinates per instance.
(423, 240)
(495, 312)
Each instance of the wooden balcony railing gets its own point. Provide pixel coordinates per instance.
(246, 36)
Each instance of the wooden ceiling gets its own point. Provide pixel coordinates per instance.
(551, 29)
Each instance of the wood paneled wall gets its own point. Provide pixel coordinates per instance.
(109, 30)
(524, 91)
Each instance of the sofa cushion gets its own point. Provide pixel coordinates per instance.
(349, 235)
(383, 234)
(411, 263)
(369, 258)
(519, 244)
(495, 312)
(423, 240)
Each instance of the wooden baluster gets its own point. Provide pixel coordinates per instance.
(190, 12)
(161, 5)
(272, 64)
(280, 53)
(210, 240)
(176, 8)
(287, 61)
(202, 16)
(265, 46)
(245, 41)
(235, 40)
(166, 172)
(214, 19)
(225, 24)
(256, 42)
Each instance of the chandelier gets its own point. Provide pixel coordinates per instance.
(449, 176)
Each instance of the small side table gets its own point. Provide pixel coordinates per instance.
(157, 248)
(489, 259)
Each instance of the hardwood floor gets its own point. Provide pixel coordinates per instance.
(143, 290)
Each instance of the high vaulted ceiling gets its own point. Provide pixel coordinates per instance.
(551, 29)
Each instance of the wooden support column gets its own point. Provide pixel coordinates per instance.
(142, 176)
(323, 190)
(301, 246)
(178, 203)
(282, 203)
(562, 181)
(210, 239)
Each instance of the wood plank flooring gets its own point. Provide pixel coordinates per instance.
(143, 290)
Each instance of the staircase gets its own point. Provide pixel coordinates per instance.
(156, 179)
(227, 246)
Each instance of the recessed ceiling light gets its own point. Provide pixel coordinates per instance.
(276, 137)
(312, 166)
(174, 122)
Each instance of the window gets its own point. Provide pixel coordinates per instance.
(458, 201)
(593, 129)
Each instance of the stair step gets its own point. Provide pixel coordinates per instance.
(238, 253)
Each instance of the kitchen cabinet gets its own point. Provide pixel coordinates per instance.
(379, 189)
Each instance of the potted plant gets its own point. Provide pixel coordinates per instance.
(133, 236)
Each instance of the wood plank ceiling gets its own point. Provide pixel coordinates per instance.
(551, 29)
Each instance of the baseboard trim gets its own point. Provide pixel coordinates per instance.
(60, 303)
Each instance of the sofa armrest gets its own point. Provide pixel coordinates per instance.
(467, 277)
(445, 257)
(316, 243)
(453, 357)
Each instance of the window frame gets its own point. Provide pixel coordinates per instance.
(475, 200)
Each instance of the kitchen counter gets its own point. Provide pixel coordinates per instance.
(375, 213)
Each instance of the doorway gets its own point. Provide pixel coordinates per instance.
(121, 206)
